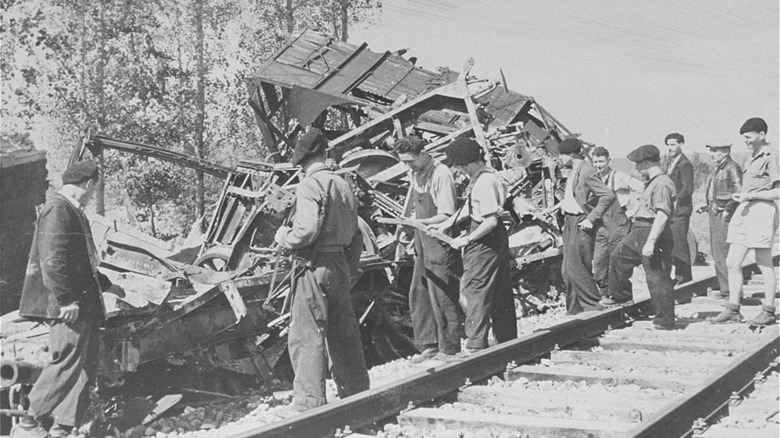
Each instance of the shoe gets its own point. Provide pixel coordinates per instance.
(663, 327)
(607, 301)
(727, 316)
(763, 319)
(447, 358)
(717, 295)
(59, 431)
(428, 353)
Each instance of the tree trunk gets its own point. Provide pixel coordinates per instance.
(200, 125)
(100, 193)
(151, 221)
(288, 16)
(344, 15)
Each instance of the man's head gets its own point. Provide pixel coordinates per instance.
(600, 158)
(647, 160)
(719, 150)
(411, 151)
(753, 131)
(464, 155)
(311, 147)
(81, 180)
(673, 143)
(570, 149)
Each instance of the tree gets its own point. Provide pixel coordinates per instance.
(151, 183)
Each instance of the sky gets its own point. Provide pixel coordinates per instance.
(621, 72)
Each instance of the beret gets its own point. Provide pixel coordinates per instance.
(570, 146)
(312, 143)
(79, 172)
(719, 144)
(463, 151)
(755, 124)
(645, 152)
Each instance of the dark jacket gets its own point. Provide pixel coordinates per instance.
(59, 271)
(682, 177)
(590, 192)
(725, 181)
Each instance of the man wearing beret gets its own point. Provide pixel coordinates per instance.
(326, 239)
(680, 170)
(650, 240)
(62, 288)
(486, 285)
(585, 200)
(754, 224)
(721, 185)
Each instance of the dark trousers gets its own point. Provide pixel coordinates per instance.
(433, 306)
(487, 288)
(628, 254)
(61, 390)
(577, 267)
(682, 252)
(719, 229)
(604, 244)
(323, 324)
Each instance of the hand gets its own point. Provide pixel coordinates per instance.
(741, 197)
(647, 250)
(116, 290)
(459, 242)
(586, 225)
(281, 235)
(69, 313)
(702, 208)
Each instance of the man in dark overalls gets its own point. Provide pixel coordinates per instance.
(486, 284)
(434, 291)
(680, 171)
(327, 241)
(650, 240)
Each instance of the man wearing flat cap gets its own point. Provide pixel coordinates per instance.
(680, 170)
(754, 224)
(725, 180)
(585, 200)
(486, 285)
(327, 242)
(650, 241)
(62, 288)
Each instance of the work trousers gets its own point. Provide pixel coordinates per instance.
(487, 289)
(61, 390)
(577, 266)
(323, 323)
(628, 254)
(682, 252)
(433, 304)
(719, 230)
(604, 244)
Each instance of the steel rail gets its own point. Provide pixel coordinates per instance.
(365, 408)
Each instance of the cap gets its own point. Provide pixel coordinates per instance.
(645, 152)
(570, 146)
(719, 144)
(80, 172)
(755, 124)
(312, 143)
(463, 151)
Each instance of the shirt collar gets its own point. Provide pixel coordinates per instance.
(316, 167)
(73, 202)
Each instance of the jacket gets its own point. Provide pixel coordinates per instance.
(59, 271)
(725, 181)
(593, 196)
(682, 177)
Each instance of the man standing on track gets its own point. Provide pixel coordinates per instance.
(325, 236)
(433, 293)
(754, 224)
(721, 185)
(614, 223)
(649, 242)
(680, 170)
(585, 200)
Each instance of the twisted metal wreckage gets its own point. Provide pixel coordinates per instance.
(227, 308)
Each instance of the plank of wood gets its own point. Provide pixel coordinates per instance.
(416, 224)
(669, 345)
(433, 419)
(629, 358)
(606, 378)
(602, 406)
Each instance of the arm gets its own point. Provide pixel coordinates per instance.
(658, 226)
(353, 252)
(307, 220)
(443, 194)
(605, 196)
(763, 195)
(686, 180)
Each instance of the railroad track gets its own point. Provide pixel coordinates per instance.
(638, 382)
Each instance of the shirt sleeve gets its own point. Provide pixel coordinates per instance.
(772, 169)
(624, 181)
(308, 216)
(662, 199)
(57, 231)
(486, 197)
(443, 191)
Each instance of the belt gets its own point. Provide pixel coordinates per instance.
(566, 214)
(644, 220)
(328, 249)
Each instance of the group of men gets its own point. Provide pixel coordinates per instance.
(605, 238)
(466, 278)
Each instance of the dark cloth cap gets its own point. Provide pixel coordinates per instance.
(463, 151)
(570, 146)
(755, 124)
(645, 152)
(312, 143)
(719, 144)
(80, 172)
